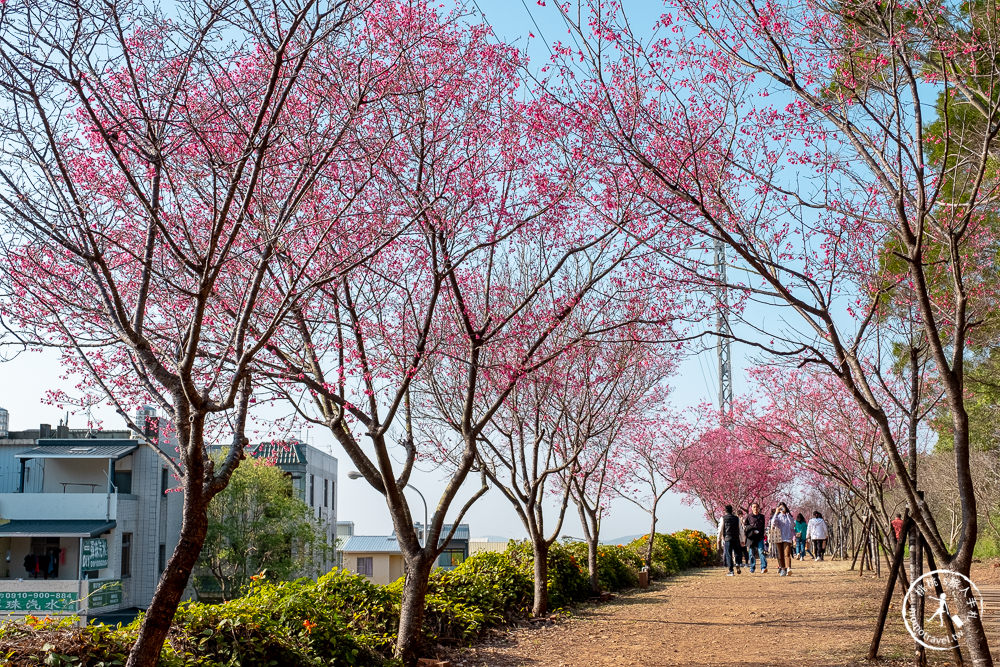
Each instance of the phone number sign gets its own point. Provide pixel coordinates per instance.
(38, 601)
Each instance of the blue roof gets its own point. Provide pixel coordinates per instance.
(372, 544)
(79, 449)
(387, 544)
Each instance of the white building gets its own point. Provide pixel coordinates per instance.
(88, 519)
(87, 523)
(314, 479)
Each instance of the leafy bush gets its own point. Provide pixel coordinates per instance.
(703, 552)
(617, 566)
(490, 581)
(339, 619)
(342, 619)
(568, 580)
(665, 557)
(678, 551)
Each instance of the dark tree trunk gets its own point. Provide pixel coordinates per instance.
(975, 635)
(917, 571)
(540, 604)
(156, 624)
(411, 611)
(916, 554)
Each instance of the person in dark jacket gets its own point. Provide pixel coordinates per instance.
(728, 539)
(756, 530)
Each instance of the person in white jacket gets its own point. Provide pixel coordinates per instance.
(783, 527)
(817, 532)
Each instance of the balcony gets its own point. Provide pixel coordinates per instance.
(43, 506)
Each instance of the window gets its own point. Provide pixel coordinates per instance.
(123, 481)
(312, 490)
(365, 566)
(451, 558)
(126, 554)
(326, 493)
(163, 558)
(164, 481)
(333, 494)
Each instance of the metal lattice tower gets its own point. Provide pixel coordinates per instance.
(723, 331)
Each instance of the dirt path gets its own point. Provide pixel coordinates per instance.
(819, 615)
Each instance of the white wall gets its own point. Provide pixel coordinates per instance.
(92, 471)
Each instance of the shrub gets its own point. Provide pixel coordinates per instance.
(617, 566)
(336, 620)
(490, 581)
(665, 558)
(568, 581)
(675, 552)
(342, 619)
(703, 547)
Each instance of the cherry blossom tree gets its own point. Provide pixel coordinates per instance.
(805, 127)
(638, 394)
(550, 440)
(806, 417)
(507, 233)
(731, 465)
(650, 460)
(157, 174)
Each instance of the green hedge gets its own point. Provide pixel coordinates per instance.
(342, 619)
(617, 566)
(677, 551)
(568, 580)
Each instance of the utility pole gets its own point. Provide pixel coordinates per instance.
(722, 331)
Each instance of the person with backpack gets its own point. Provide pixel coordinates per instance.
(784, 533)
(743, 556)
(755, 532)
(817, 532)
(800, 536)
(728, 539)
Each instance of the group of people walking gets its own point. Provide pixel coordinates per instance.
(745, 540)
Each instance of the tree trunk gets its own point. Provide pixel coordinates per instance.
(540, 605)
(595, 581)
(156, 624)
(917, 571)
(916, 555)
(975, 635)
(976, 643)
(652, 536)
(411, 611)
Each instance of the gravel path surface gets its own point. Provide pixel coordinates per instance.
(821, 614)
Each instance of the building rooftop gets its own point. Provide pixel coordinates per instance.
(282, 453)
(388, 543)
(56, 527)
(461, 533)
(78, 449)
(371, 544)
